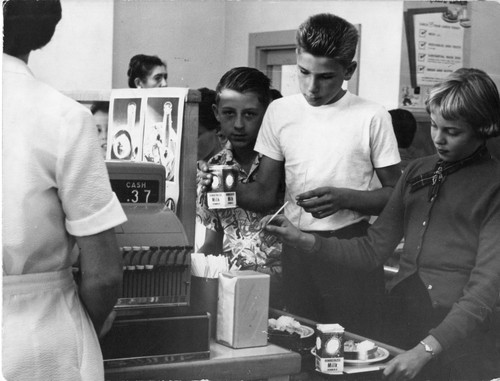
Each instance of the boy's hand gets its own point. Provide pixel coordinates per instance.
(203, 176)
(406, 365)
(322, 202)
(281, 227)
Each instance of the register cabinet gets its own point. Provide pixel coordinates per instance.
(153, 323)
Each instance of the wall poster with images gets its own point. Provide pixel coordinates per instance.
(146, 125)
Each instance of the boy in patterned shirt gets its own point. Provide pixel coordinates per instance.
(243, 95)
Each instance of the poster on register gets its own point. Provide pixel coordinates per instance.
(125, 127)
(438, 48)
(146, 125)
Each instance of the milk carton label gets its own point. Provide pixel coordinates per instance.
(224, 181)
(221, 200)
(334, 365)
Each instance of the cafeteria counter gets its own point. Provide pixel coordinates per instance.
(270, 362)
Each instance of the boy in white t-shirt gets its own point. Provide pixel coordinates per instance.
(331, 144)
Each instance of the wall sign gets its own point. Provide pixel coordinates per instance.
(435, 46)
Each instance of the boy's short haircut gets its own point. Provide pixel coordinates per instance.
(330, 36)
(405, 126)
(246, 79)
(469, 95)
(29, 24)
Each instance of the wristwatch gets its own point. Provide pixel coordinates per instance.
(428, 348)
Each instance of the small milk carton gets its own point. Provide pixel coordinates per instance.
(223, 192)
(329, 348)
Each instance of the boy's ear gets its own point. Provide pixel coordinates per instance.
(215, 109)
(137, 82)
(351, 68)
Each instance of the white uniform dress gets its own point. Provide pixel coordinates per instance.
(55, 186)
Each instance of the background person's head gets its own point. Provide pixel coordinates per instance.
(29, 25)
(326, 45)
(471, 96)
(100, 111)
(147, 72)
(243, 94)
(246, 79)
(208, 126)
(405, 126)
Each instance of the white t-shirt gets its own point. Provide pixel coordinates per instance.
(54, 178)
(336, 145)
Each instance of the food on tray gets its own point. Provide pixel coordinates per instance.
(290, 325)
(364, 350)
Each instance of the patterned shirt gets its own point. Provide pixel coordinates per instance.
(241, 237)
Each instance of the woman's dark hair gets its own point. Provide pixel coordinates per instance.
(29, 24)
(140, 66)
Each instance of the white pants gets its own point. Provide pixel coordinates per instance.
(47, 334)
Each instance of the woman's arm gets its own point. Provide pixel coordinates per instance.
(101, 275)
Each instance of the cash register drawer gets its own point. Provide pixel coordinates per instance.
(149, 340)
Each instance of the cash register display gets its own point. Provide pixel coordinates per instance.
(137, 182)
(136, 190)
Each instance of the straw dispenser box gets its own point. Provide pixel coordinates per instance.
(242, 309)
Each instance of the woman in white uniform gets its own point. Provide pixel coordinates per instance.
(55, 191)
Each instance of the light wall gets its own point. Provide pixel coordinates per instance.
(188, 35)
(78, 58)
(201, 39)
(381, 28)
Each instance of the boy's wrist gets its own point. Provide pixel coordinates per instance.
(307, 242)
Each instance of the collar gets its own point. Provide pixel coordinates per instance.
(441, 170)
(15, 65)
(228, 158)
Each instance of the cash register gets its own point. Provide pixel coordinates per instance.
(153, 323)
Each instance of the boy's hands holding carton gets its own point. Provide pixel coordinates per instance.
(324, 201)
(203, 176)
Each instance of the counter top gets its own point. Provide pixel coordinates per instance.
(225, 363)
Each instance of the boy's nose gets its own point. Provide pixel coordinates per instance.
(163, 82)
(313, 85)
(238, 123)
